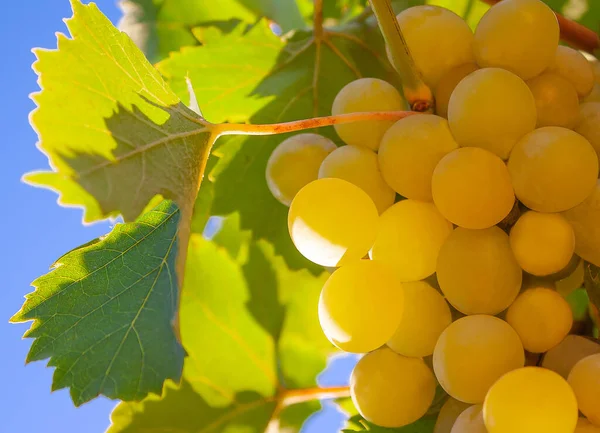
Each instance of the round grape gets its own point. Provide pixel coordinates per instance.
(556, 100)
(571, 282)
(409, 152)
(585, 220)
(470, 421)
(332, 222)
(589, 124)
(449, 412)
(584, 426)
(563, 357)
(573, 66)
(585, 381)
(447, 84)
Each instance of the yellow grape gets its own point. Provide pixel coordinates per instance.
(585, 220)
(409, 152)
(472, 353)
(295, 163)
(358, 165)
(573, 66)
(420, 25)
(477, 271)
(470, 421)
(449, 412)
(541, 317)
(553, 169)
(363, 95)
(530, 399)
(491, 108)
(447, 84)
(589, 124)
(410, 236)
(556, 100)
(594, 95)
(361, 305)
(518, 35)
(426, 314)
(332, 222)
(543, 243)
(391, 390)
(563, 357)
(584, 426)
(472, 188)
(571, 282)
(585, 381)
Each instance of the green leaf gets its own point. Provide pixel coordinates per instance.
(114, 133)
(233, 377)
(591, 283)
(104, 313)
(359, 424)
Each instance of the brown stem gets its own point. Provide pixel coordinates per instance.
(295, 396)
(300, 125)
(318, 19)
(318, 38)
(573, 33)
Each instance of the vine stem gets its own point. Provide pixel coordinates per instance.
(417, 93)
(573, 33)
(295, 396)
(300, 125)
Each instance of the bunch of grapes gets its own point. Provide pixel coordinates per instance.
(450, 232)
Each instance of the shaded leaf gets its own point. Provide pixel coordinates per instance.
(592, 283)
(104, 314)
(359, 424)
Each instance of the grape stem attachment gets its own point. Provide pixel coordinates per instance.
(571, 32)
(300, 125)
(417, 93)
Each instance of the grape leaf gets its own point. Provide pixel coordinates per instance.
(160, 27)
(591, 283)
(241, 385)
(104, 314)
(359, 424)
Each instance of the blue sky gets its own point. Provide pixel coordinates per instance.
(36, 231)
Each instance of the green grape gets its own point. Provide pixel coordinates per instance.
(391, 390)
(332, 222)
(541, 317)
(573, 66)
(585, 381)
(364, 95)
(553, 169)
(358, 165)
(584, 426)
(472, 353)
(449, 412)
(491, 108)
(295, 163)
(361, 305)
(571, 282)
(556, 100)
(470, 421)
(518, 35)
(585, 220)
(409, 152)
(543, 243)
(426, 314)
(477, 271)
(447, 84)
(589, 124)
(421, 27)
(530, 399)
(563, 357)
(410, 236)
(472, 188)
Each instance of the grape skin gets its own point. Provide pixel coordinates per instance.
(573, 66)
(447, 84)
(518, 35)
(295, 163)
(472, 353)
(530, 399)
(426, 314)
(584, 426)
(364, 95)
(421, 27)
(332, 222)
(541, 317)
(359, 166)
(589, 124)
(449, 412)
(553, 169)
(471, 187)
(563, 357)
(585, 220)
(391, 390)
(556, 100)
(410, 236)
(542, 243)
(477, 271)
(470, 421)
(410, 151)
(585, 381)
(491, 108)
(571, 282)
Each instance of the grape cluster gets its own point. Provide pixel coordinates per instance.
(455, 236)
